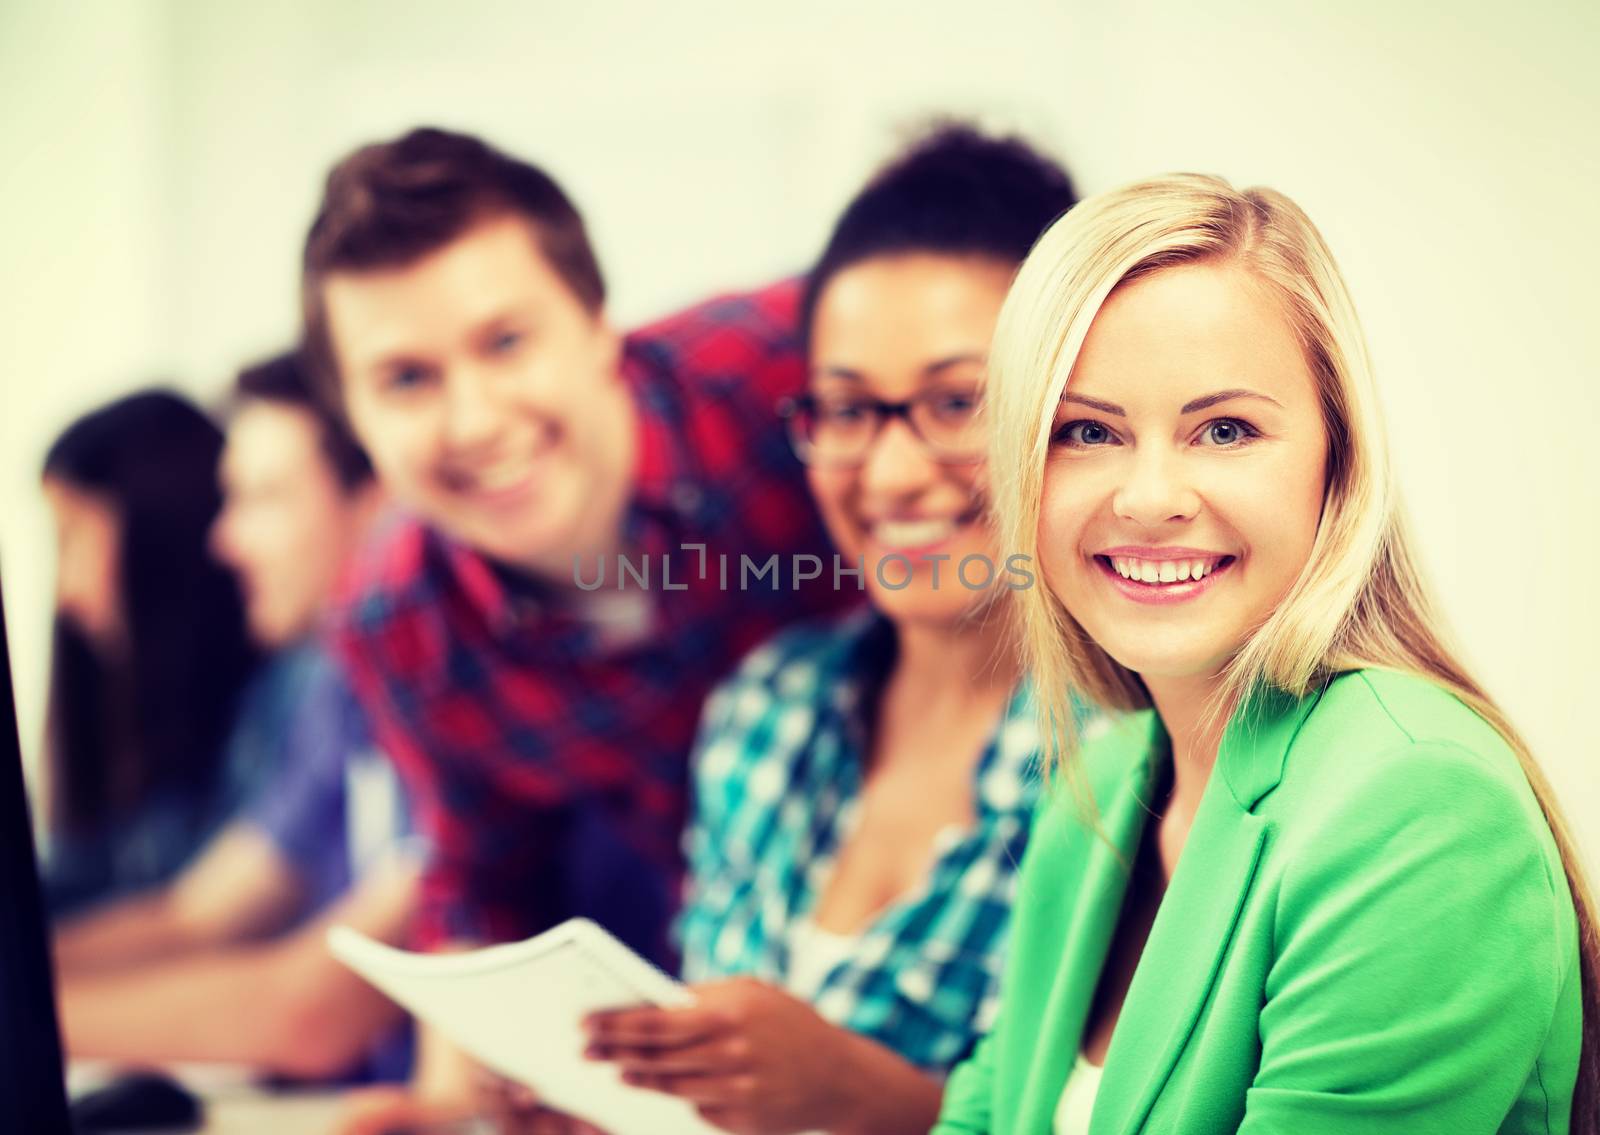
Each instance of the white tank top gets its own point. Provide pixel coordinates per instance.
(813, 952)
(1077, 1098)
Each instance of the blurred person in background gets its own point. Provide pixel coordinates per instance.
(151, 655)
(172, 973)
(864, 786)
(455, 307)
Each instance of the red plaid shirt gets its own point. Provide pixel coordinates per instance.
(548, 766)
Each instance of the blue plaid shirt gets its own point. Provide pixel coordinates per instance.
(778, 776)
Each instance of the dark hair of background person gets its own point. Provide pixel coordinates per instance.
(124, 728)
(391, 203)
(956, 192)
(284, 380)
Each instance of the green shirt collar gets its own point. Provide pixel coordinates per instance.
(1255, 742)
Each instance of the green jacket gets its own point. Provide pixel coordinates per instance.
(1369, 930)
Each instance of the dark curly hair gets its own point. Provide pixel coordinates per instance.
(955, 191)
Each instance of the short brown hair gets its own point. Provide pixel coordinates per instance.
(390, 203)
(284, 380)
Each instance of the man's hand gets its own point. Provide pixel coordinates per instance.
(749, 1057)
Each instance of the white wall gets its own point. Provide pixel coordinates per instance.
(173, 151)
(84, 221)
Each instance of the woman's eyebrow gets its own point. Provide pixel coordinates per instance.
(938, 366)
(1095, 404)
(1223, 396)
(930, 371)
(1191, 407)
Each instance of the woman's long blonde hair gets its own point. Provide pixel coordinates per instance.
(1360, 600)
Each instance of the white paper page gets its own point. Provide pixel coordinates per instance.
(518, 1010)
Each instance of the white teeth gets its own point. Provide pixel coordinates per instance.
(1162, 571)
(502, 477)
(912, 533)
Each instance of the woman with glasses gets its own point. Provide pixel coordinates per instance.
(864, 787)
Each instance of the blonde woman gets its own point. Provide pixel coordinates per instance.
(1310, 881)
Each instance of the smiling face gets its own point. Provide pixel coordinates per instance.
(488, 396)
(1185, 478)
(890, 329)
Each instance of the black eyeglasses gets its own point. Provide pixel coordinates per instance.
(838, 429)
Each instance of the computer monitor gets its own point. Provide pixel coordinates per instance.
(33, 1096)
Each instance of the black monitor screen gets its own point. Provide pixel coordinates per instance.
(32, 1092)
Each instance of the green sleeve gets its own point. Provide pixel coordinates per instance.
(1421, 943)
(965, 1110)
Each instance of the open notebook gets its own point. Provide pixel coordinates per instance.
(518, 1010)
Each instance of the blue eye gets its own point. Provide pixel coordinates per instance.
(1227, 432)
(407, 378)
(505, 341)
(1084, 434)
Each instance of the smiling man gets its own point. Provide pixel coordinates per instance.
(455, 309)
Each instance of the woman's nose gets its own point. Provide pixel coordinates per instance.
(1156, 491)
(896, 463)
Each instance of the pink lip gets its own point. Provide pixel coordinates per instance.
(509, 496)
(963, 522)
(501, 498)
(885, 551)
(1165, 594)
(1164, 552)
